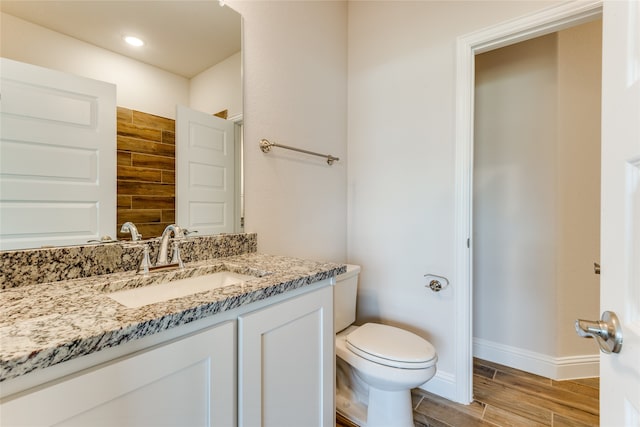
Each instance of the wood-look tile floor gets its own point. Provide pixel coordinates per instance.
(505, 396)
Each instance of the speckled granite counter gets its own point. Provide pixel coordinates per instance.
(48, 323)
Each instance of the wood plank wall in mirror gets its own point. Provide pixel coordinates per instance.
(145, 172)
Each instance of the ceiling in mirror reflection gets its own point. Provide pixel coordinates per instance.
(181, 37)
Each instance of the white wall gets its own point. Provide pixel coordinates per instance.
(401, 159)
(579, 80)
(139, 86)
(219, 88)
(536, 202)
(295, 89)
(515, 176)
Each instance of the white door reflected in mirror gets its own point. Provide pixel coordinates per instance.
(57, 157)
(205, 171)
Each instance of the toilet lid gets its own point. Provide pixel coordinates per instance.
(391, 346)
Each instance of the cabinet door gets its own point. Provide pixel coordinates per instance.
(189, 382)
(286, 363)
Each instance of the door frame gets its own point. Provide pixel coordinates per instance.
(534, 25)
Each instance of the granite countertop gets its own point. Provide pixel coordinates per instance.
(45, 324)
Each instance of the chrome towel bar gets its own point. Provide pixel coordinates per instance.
(266, 145)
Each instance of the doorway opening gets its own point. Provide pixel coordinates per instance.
(536, 202)
(528, 27)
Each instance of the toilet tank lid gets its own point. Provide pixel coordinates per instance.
(391, 343)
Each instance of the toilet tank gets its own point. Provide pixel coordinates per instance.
(344, 298)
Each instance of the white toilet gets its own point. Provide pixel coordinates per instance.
(377, 365)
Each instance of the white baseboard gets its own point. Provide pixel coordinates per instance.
(557, 368)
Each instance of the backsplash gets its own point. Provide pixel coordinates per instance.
(32, 266)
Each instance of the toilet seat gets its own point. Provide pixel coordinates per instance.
(391, 346)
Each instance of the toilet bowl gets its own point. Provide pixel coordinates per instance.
(377, 364)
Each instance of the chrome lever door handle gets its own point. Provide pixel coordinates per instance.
(607, 332)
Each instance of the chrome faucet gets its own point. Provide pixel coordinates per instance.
(129, 227)
(164, 245)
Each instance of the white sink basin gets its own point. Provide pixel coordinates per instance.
(145, 295)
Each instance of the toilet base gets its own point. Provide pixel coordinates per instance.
(368, 406)
(354, 412)
(388, 408)
(351, 394)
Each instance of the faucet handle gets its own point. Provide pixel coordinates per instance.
(146, 261)
(175, 259)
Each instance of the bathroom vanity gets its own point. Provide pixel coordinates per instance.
(259, 352)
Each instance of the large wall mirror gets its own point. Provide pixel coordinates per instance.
(191, 57)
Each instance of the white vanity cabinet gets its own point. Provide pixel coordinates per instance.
(286, 363)
(270, 363)
(188, 382)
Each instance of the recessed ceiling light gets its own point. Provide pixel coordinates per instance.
(133, 41)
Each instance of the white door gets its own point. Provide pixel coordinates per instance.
(205, 196)
(57, 157)
(620, 232)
